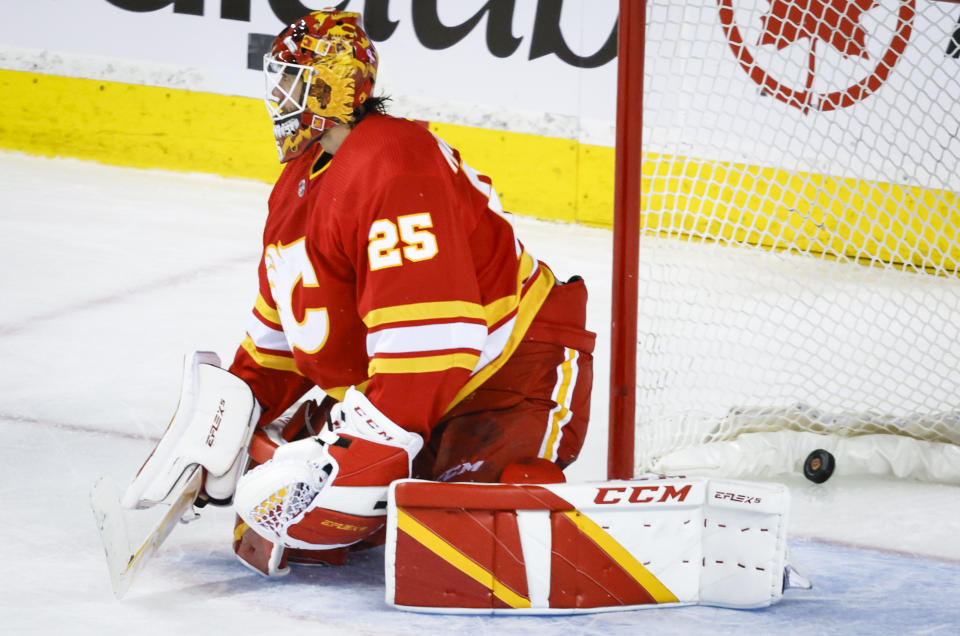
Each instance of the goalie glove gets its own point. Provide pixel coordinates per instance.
(329, 490)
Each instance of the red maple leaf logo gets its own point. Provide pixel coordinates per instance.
(836, 22)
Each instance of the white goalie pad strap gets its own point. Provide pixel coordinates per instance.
(577, 548)
(358, 417)
(212, 427)
(221, 487)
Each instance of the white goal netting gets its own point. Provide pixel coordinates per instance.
(799, 256)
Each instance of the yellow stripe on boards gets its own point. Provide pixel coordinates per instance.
(138, 126)
(559, 179)
(689, 198)
(428, 539)
(856, 219)
(545, 177)
(618, 553)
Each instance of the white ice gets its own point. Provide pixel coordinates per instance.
(111, 275)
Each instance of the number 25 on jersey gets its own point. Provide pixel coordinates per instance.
(407, 239)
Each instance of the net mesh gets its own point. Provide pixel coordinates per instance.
(799, 255)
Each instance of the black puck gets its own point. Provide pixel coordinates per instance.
(819, 466)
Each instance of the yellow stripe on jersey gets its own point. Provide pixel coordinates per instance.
(424, 311)
(269, 361)
(423, 364)
(529, 306)
(526, 266)
(265, 310)
(492, 313)
(500, 308)
(338, 392)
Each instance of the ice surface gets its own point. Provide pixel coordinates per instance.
(111, 275)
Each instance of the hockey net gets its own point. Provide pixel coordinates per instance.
(798, 256)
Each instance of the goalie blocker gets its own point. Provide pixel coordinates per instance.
(197, 460)
(576, 548)
(210, 431)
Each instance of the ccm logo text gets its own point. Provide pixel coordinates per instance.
(641, 494)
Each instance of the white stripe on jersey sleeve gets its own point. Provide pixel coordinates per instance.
(265, 337)
(423, 338)
(495, 344)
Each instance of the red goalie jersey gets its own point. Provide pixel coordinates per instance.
(388, 266)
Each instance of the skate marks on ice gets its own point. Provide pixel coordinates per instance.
(195, 583)
(88, 394)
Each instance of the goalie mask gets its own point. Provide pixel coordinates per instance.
(318, 71)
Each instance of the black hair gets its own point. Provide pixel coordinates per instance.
(374, 104)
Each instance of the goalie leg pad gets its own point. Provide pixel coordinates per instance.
(572, 548)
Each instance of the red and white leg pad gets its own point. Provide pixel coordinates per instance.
(572, 548)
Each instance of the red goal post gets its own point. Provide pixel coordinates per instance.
(809, 161)
(626, 233)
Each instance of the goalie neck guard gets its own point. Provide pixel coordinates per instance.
(319, 70)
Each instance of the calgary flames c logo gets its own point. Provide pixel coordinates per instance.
(833, 68)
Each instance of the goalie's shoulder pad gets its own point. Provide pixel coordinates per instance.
(585, 547)
(211, 427)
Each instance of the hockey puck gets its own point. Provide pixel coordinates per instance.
(819, 466)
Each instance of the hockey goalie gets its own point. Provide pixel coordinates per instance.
(391, 279)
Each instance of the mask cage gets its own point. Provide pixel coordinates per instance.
(287, 87)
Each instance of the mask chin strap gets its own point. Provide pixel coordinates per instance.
(319, 123)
